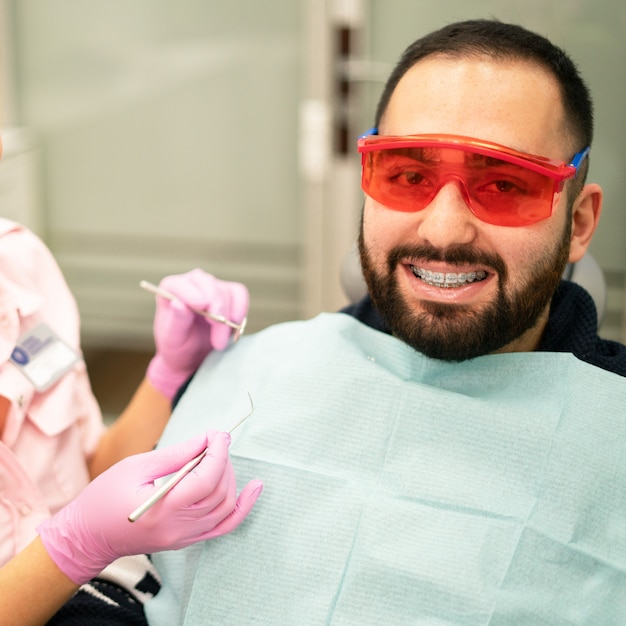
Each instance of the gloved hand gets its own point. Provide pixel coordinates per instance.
(93, 530)
(183, 339)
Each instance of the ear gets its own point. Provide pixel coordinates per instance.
(585, 216)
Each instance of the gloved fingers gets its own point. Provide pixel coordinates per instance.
(207, 485)
(246, 500)
(181, 524)
(173, 321)
(164, 461)
(239, 301)
(197, 289)
(207, 513)
(202, 291)
(218, 504)
(233, 302)
(221, 520)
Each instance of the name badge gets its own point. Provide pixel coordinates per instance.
(43, 357)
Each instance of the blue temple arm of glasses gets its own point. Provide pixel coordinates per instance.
(579, 157)
(371, 131)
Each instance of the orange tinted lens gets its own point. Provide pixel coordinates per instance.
(496, 191)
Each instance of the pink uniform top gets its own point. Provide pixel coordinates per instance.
(47, 436)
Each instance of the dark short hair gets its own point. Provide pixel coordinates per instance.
(498, 40)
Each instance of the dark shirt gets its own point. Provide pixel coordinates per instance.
(572, 327)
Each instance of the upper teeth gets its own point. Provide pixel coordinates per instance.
(448, 279)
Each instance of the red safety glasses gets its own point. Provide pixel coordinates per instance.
(499, 185)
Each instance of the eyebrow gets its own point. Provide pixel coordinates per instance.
(473, 159)
(486, 161)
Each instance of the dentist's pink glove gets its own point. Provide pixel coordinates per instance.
(183, 339)
(93, 530)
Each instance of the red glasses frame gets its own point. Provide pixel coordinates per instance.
(546, 177)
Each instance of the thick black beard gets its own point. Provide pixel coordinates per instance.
(453, 332)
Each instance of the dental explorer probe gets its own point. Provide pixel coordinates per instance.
(169, 484)
(238, 328)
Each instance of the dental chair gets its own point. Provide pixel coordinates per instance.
(586, 273)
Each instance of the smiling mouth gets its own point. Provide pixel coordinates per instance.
(448, 280)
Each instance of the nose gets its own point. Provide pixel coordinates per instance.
(447, 220)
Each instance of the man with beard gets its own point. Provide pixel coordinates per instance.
(518, 265)
(450, 449)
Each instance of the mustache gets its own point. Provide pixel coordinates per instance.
(454, 255)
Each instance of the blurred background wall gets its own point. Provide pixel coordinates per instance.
(166, 135)
(148, 137)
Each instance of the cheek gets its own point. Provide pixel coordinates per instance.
(371, 215)
(383, 229)
(524, 251)
(371, 219)
(377, 236)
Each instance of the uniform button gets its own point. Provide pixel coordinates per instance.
(24, 509)
(20, 401)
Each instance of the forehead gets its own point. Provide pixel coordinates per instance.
(511, 102)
